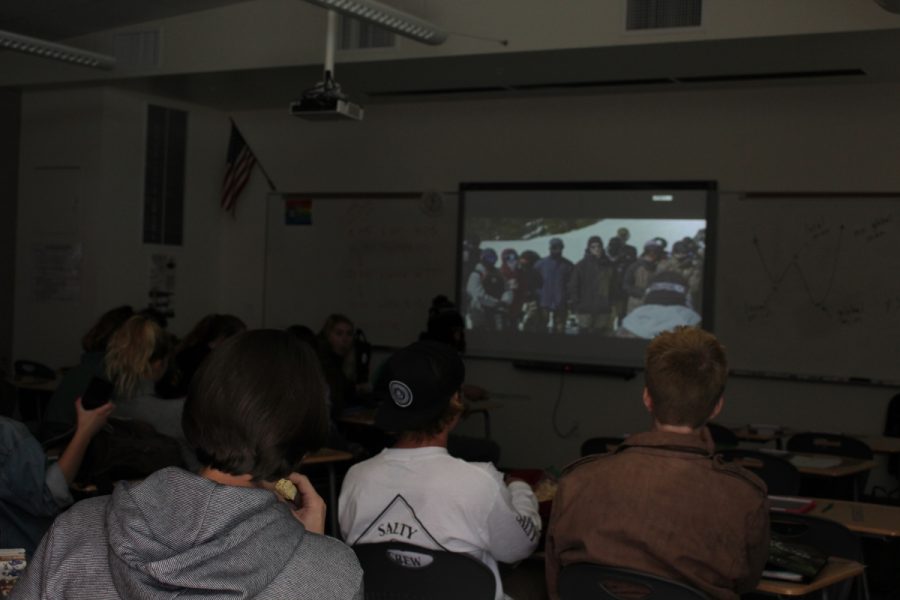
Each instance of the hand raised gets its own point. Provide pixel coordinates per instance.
(89, 422)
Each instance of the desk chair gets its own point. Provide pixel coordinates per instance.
(781, 477)
(585, 581)
(847, 488)
(830, 537)
(398, 571)
(600, 445)
(722, 436)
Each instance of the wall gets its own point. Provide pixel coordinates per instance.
(82, 177)
(790, 138)
(9, 180)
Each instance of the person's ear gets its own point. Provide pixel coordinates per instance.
(456, 399)
(158, 367)
(648, 401)
(717, 408)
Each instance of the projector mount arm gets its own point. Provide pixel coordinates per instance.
(328, 88)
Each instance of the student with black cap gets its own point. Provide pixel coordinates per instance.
(415, 492)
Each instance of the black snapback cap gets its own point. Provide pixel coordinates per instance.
(416, 385)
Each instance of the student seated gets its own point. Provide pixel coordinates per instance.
(661, 503)
(60, 417)
(136, 357)
(415, 492)
(446, 325)
(206, 335)
(253, 410)
(31, 491)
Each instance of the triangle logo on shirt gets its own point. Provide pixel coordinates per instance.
(398, 523)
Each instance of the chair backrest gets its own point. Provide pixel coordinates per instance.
(829, 443)
(722, 436)
(600, 445)
(781, 477)
(826, 535)
(398, 571)
(585, 581)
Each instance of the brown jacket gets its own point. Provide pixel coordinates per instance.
(662, 504)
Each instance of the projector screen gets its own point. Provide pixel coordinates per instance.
(583, 274)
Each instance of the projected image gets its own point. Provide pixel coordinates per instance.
(583, 273)
(614, 277)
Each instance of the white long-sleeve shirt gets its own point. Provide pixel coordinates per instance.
(425, 497)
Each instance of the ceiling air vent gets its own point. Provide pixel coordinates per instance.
(659, 14)
(360, 35)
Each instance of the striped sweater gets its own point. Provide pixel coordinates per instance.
(178, 535)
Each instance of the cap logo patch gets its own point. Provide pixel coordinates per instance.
(400, 393)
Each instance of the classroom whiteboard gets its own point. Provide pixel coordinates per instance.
(810, 285)
(805, 286)
(378, 258)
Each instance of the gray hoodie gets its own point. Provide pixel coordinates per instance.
(178, 535)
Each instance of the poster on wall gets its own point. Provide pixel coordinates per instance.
(57, 272)
(162, 284)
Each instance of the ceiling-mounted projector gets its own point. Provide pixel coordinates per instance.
(325, 102)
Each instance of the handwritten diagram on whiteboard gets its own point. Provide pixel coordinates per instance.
(811, 286)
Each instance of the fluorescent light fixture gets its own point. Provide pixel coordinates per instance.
(663, 197)
(387, 17)
(45, 49)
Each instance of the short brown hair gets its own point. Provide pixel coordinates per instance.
(437, 425)
(257, 405)
(685, 373)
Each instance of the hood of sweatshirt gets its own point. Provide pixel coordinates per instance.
(179, 534)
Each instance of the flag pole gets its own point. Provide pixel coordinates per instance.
(262, 169)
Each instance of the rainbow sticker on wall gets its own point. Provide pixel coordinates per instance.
(297, 211)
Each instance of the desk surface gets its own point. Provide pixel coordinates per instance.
(32, 384)
(879, 444)
(868, 519)
(847, 466)
(326, 455)
(837, 570)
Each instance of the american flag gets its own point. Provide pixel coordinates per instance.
(240, 163)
